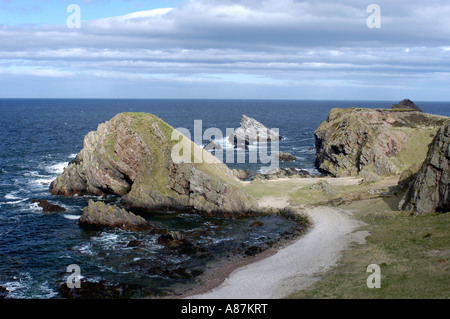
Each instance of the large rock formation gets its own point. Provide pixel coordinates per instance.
(99, 214)
(382, 141)
(131, 156)
(429, 190)
(251, 131)
(406, 104)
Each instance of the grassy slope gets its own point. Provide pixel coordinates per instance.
(412, 251)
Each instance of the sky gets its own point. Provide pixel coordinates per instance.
(224, 49)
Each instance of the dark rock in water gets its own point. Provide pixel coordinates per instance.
(172, 239)
(429, 190)
(256, 223)
(252, 131)
(99, 214)
(356, 139)
(48, 207)
(104, 290)
(406, 104)
(132, 156)
(134, 243)
(3, 292)
(286, 157)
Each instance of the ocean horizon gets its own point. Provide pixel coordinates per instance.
(40, 136)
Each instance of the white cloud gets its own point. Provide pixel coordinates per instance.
(269, 43)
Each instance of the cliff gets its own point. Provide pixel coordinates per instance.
(429, 190)
(130, 156)
(382, 141)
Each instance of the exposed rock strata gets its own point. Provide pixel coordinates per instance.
(429, 190)
(131, 156)
(355, 139)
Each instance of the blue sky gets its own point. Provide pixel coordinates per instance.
(261, 49)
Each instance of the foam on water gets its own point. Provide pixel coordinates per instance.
(72, 217)
(57, 168)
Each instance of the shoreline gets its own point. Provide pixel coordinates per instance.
(280, 271)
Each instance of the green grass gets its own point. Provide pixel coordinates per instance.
(413, 253)
(416, 147)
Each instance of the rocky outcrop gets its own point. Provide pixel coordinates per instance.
(286, 157)
(429, 190)
(406, 104)
(242, 174)
(172, 239)
(382, 141)
(213, 145)
(99, 215)
(282, 173)
(48, 207)
(131, 156)
(252, 131)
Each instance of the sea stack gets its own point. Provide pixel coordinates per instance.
(406, 104)
(131, 156)
(252, 131)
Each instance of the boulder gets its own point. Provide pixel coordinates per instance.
(99, 215)
(286, 157)
(324, 187)
(406, 104)
(241, 174)
(172, 239)
(131, 156)
(252, 131)
(382, 141)
(429, 190)
(47, 207)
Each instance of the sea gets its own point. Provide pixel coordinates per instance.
(38, 137)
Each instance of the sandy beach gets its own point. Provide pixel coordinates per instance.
(296, 266)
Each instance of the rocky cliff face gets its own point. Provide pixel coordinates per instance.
(382, 141)
(429, 190)
(130, 156)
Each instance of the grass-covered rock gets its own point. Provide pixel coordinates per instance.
(131, 156)
(382, 141)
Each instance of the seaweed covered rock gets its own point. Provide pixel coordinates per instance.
(382, 141)
(131, 156)
(429, 190)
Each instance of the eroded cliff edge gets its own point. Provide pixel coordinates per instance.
(429, 189)
(381, 141)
